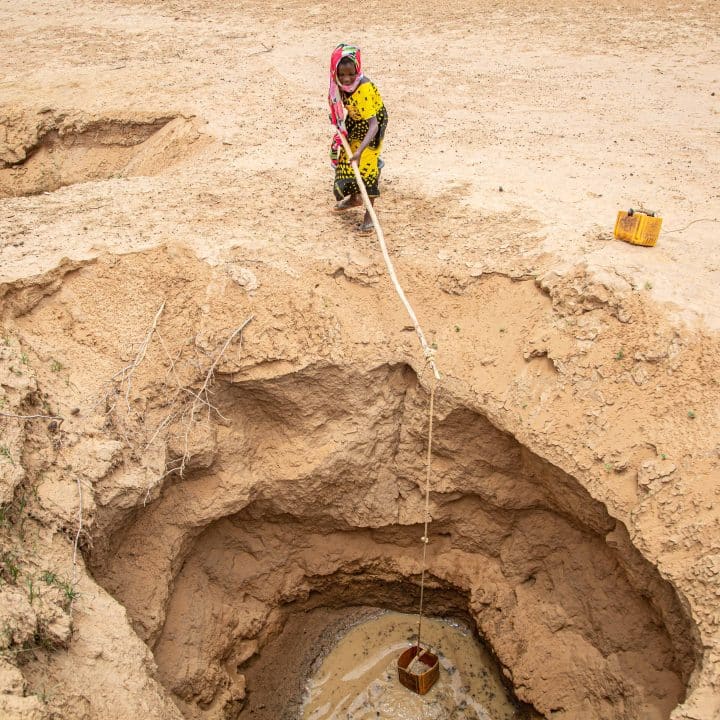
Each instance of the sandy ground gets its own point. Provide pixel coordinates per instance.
(517, 131)
(576, 111)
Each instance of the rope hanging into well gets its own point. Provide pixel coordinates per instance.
(429, 354)
(425, 538)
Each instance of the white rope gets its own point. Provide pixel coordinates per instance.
(425, 538)
(427, 350)
(429, 357)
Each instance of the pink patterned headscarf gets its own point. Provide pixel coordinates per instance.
(337, 109)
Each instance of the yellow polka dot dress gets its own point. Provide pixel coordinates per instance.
(363, 104)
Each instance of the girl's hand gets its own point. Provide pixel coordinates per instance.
(356, 157)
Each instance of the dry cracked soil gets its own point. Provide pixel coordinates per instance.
(214, 408)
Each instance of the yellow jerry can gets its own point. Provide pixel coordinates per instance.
(638, 228)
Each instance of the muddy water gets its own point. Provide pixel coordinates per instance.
(358, 678)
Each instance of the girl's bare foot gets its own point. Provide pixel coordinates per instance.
(349, 201)
(367, 223)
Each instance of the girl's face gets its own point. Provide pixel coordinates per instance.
(346, 73)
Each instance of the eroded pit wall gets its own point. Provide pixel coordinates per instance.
(45, 149)
(302, 473)
(326, 465)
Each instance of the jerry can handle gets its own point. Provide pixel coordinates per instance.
(649, 213)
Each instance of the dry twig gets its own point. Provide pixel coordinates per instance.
(187, 413)
(202, 395)
(265, 49)
(77, 538)
(125, 375)
(33, 417)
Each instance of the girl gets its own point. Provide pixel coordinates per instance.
(357, 111)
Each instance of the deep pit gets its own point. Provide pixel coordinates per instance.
(324, 468)
(44, 151)
(182, 508)
(300, 498)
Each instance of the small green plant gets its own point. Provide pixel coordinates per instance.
(32, 594)
(19, 518)
(10, 567)
(648, 285)
(69, 592)
(56, 366)
(457, 328)
(8, 633)
(24, 359)
(43, 696)
(5, 452)
(608, 467)
(691, 414)
(620, 354)
(48, 577)
(663, 456)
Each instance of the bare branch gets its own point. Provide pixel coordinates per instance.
(182, 406)
(265, 49)
(33, 417)
(77, 537)
(125, 375)
(209, 377)
(237, 331)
